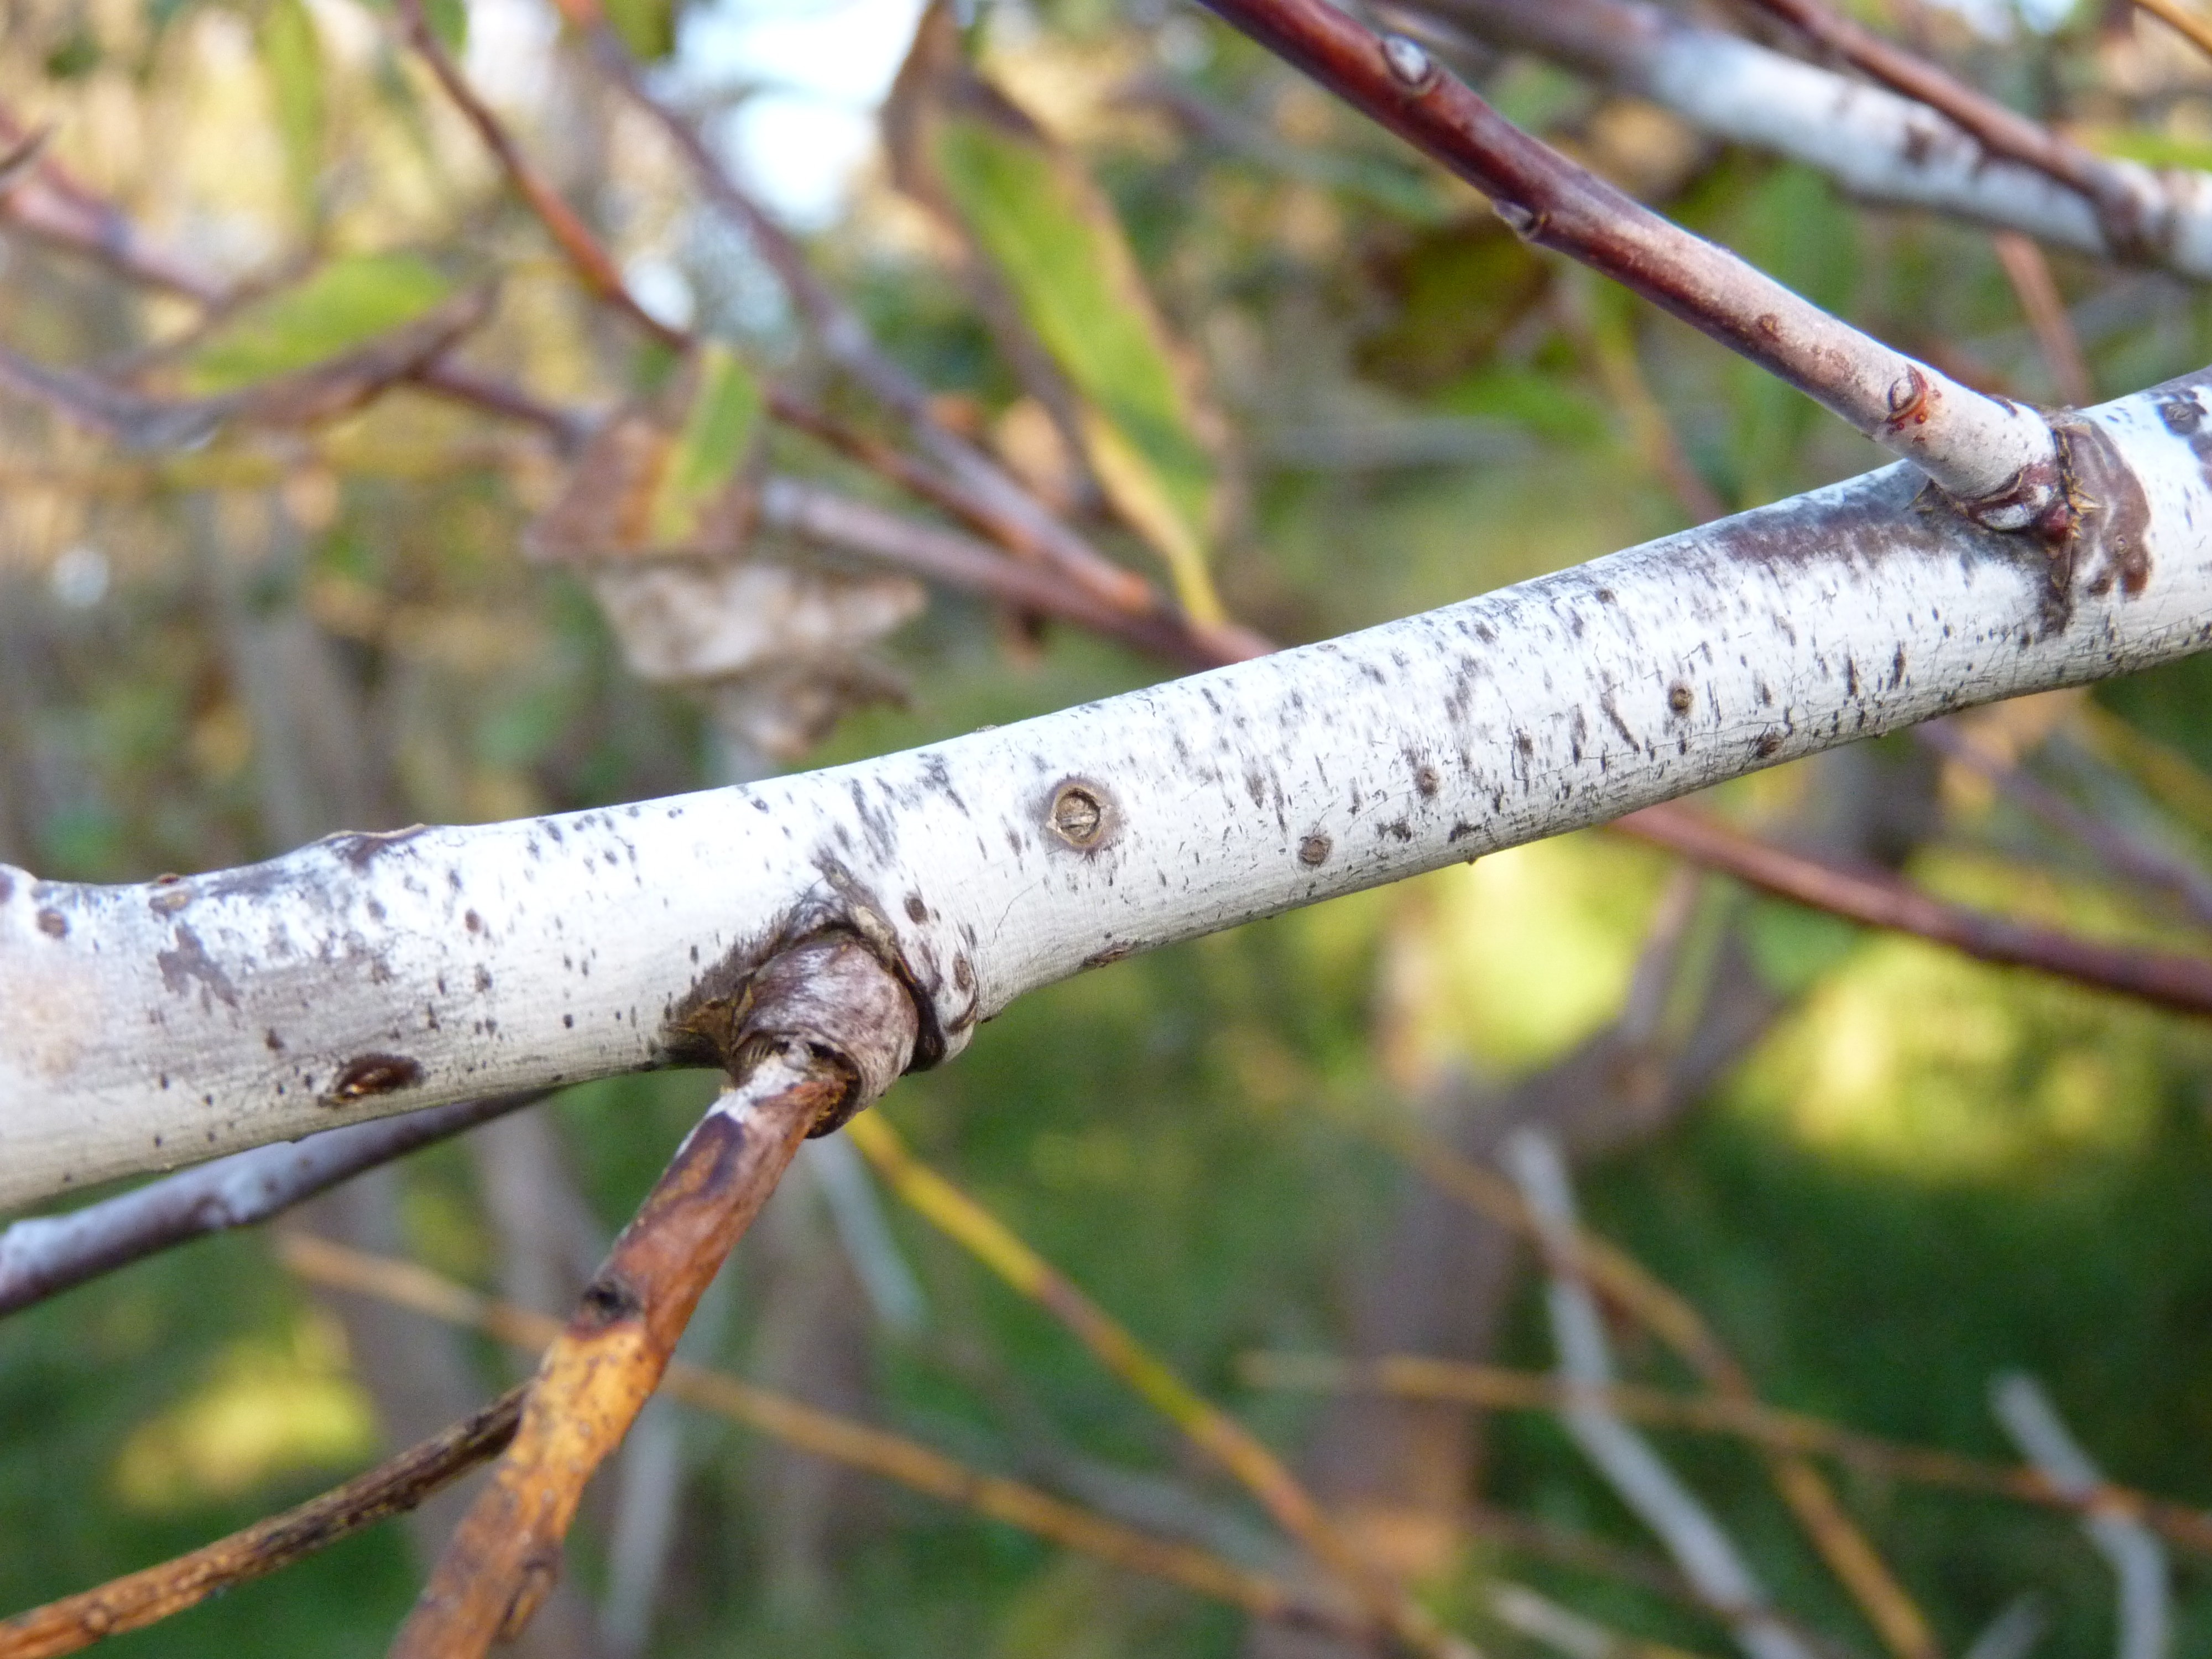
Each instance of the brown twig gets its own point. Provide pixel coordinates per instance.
(44, 1255)
(1620, 1279)
(2029, 272)
(1213, 1430)
(1495, 1388)
(1025, 526)
(144, 1598)
(1880, 900)
(2185, 22)
(821, 1029)
(856, 1445)
(2002, 132)
(1998, 462)
(586, 256)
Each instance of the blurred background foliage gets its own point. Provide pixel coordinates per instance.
(1281, 363)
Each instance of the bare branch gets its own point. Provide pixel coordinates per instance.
(1880, 900)
(824, 1031)
(2000, 463)
(44, 1255)
(1705, 1553)
(2029, 273)
(2138, 1560)
(147, 1597)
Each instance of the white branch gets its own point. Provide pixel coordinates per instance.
(149, 1025)
(2137, 1558)
(1878, 145)
(1639, 1477)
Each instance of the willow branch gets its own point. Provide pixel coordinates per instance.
(1877, 145)
(823, 1032)
(144, 1598)
(1493, 1387)
(855, 1445)
(1212, 1431)
(2000, 463)
(2136, 1557)
(44, 1255)
(1705, 1553)
(1880, 900)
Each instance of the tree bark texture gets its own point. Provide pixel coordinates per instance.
(153, 1024)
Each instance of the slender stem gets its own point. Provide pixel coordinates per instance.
(147, 1597)
(1880, 900)
(44, 1255)
(586, 255)
(1493, 1388)
(1213, 1430)
(2185, 22)
(856, 1445)
(2029, 272)
(2000, 463)
(822, 1030)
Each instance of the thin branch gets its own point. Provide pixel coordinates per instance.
(2029, 272)
(1025, 523)
(2182, 21)
(144, 1598)
(1227, 1440)
(591, 261)
(2138, 1560)
(1999, 462)
(1880, 900)
(2004, 133)
(2146, 866)
(1493, 1388)
(857, 1445)
(1705, 1553)
(824, 1030)
(44, 1255)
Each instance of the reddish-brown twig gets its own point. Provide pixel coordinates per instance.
(1880, 900)
(582, 250)
(2002, 132)
(1493, 1387)
(1998, 461)
(147, 1597)
(2029, 272)
(817, 1032)
(856, 1445)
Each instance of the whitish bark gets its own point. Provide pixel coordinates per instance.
(143, 1026)
(1878, 145)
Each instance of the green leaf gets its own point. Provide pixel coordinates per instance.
(449, 21)
(344, 303)
(1050, 233)
(292, 55)
(647, 27)
(718, 432)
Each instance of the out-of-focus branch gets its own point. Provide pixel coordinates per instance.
(1877, 145)
(1999, 462)
(44, 1255)
(147, 1597)
(1023, 522)
(2127, 857)
(1705, 1553)
(824, 1029)
(590, 261)
(2182, 21)
(2003, 133)
(2029, 272)
(336, 386)
(1494, 1388)
(856, 1445)
(1210, 1429)
(2137, 1558)
(1877, 900)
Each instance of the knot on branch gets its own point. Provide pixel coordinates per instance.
(832, 995)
